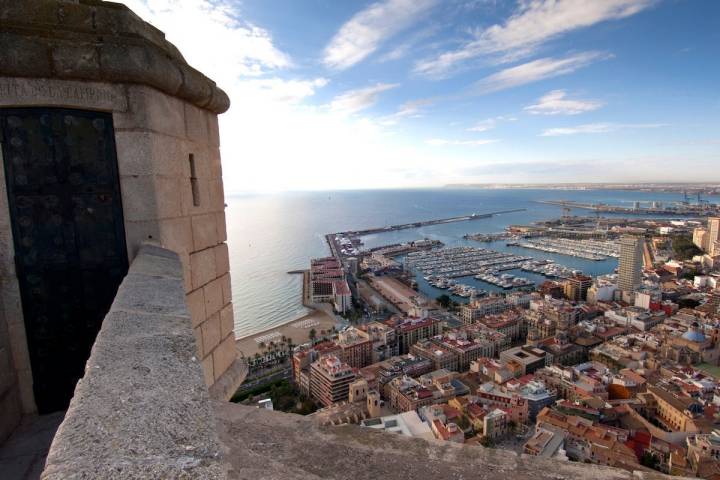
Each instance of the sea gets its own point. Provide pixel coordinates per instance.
(270, 235)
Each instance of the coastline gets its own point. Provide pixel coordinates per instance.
(318, 318)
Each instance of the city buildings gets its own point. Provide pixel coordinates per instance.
(410, 330)
(328, 284)
(713, 234)
(330, 379)
(576, 287)
(630, 263)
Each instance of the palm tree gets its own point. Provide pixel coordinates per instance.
(312, 335)
(261, 345)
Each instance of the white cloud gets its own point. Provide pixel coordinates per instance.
(411, 109)
(597, 128)
(276, 89)
(534, 23)
(441, 142)
(212, 38)
(369, 28)
(536, 70)
(490, 123)
(356, 100)
(556, 102)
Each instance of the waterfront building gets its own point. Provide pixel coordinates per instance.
(328, 284)
(330, 380)
(630, 264)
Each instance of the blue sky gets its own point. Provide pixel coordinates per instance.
(332, 94)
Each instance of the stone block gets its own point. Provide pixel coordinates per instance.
(217, 195)
(222, 259)
(207, 366)
(196, 124)
(196, 305)
(150, 109)
(148, 153)
(224, 355)
(168, 196)
(138, 198)
(188, 203)
(138, 232)
(226, 288)
(199, 340)
(204, 231)
(214, 163)
(213, 130)
(213, 297)
(227, 320)
(176, 234)
(28, 57)
(187, 275)
(202, 267)
(211, 333)
(221, 226)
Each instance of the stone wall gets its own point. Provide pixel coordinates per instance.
(94, 55)
(142, 410)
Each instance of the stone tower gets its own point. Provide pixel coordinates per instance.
(374, 404)
(108, 139)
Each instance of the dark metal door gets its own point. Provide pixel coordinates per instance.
(69, 237)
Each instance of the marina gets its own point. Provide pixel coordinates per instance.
(440, 268)
(595, 250)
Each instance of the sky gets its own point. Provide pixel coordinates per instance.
(343, 94)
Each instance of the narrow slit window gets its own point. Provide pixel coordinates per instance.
(194, 181)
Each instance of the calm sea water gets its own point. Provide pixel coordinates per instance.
(269, 235)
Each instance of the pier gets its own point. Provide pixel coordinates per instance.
(681, 209)
(426, 223)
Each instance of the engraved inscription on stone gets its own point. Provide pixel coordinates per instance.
(37, 91)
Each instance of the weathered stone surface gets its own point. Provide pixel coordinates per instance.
(61, 93)
(211, 333)
(202, 267)
(142, 409)
(271, 445)
(213, 297)
(97, 41)
(204, 231)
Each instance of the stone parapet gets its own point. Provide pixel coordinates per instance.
(259, 443)
(142, 410)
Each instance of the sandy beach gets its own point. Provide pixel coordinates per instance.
(298, 329)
